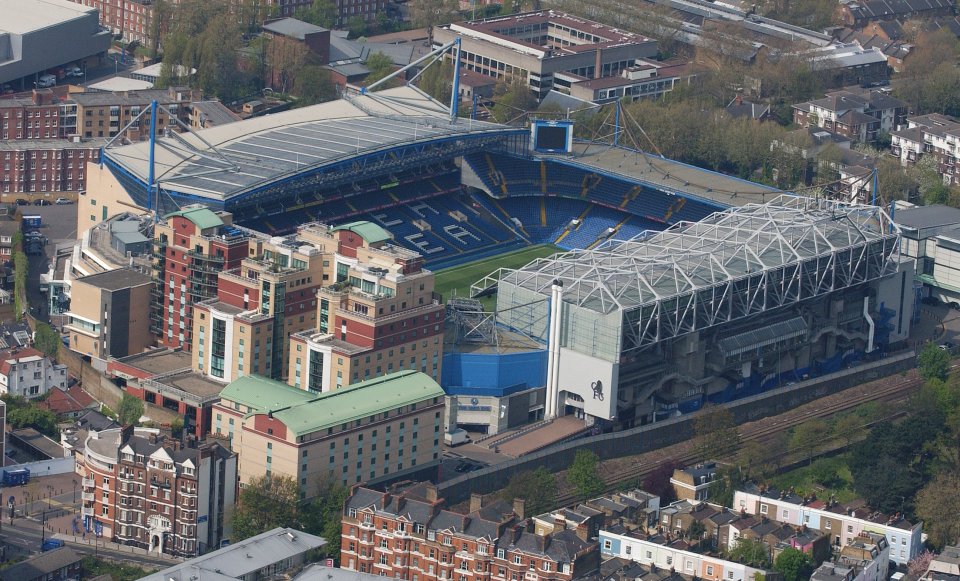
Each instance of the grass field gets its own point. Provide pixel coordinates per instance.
(457, 280)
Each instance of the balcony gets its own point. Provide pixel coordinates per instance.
(87, 511)
(87, 483)
(88, 496)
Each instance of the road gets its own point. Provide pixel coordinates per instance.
(26, 534)
(59, 225)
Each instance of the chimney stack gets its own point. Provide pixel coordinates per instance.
(476, 502)
(518, 507)
(431, 493)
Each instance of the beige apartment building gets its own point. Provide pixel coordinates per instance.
(380, 427)
(378, 316)
(108, 315)
(259, 304)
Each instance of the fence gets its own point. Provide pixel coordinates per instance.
(47, 467)
(650, 437)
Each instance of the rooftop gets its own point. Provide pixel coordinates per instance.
(18, 19)
(243, 557)
(202, 218)
(369, 231)
(118, 279)
(259, 151)
(671, 176)
(688, 257)
(304, 412)
(934, 216)
(157, 361)
(41, 566)
(194, 384)
(40, 144)
(292, 27)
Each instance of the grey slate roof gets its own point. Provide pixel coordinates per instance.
(292, 27)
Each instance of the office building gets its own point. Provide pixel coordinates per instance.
(108, 315)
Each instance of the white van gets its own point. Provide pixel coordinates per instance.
(47, 81)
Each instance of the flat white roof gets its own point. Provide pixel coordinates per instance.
(25, 16)
(121, 84)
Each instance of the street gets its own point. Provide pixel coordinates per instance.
(25, 534)
(59, 225)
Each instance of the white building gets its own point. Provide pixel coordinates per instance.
(931, 235)
(865, 559)
(667, 557)
(845, 523)
(28, 373)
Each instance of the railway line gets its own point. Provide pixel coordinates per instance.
(892, 389)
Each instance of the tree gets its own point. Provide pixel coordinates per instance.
(696, 530)
(750, 552)
(715, 434)
(658, 482)
(808, 437)
(129, 410)
(849, 427)
(892, 182)
(933, 363)
(538, 488)
(265, 503)
(917, 566)
(430, 13)
(176, 428)
(825, 473)
(513, 100)
(314, 85)
(31, 416)
(938, 504)
(380, 66)
(323, 515)
(794, 564)
(436, 81)
(321, 12)
(583, 474)
(46, 340)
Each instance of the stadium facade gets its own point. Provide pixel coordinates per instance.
(747, 299)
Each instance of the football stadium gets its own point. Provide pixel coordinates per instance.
(585, 282)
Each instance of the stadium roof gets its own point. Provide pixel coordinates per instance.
(726, 247)
(225, 162)
(669, 175)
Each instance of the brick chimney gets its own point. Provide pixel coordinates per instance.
(476, 502)
(430, 493)
(519, 505)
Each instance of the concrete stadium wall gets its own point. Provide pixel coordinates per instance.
(653, 436)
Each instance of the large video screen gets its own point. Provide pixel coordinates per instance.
(552, 136)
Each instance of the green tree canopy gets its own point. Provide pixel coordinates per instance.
(933, 363)
(538, 488)
(380, 65)
(46, 340)
(265, 503)
(320, 12)
(583, 474)
(808, 437)
(794, 564)
(715, 434)
(129, 410)
(314, 85)
(750, 552)
(323, 515)
(938, 504)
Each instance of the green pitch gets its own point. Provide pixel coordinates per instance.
(459, 278)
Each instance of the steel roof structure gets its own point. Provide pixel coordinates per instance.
(733, 264)
(277, 155)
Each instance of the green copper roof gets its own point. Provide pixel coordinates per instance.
(203, 217)
(369, 231)
(305, 412)
(263, 394)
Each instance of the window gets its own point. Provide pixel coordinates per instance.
(518, 560)
(709, 569)
(786, 513)
(763, 509)
(607, 545)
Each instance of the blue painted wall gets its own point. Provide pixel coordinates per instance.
(492, 374)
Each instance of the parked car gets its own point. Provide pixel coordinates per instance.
(41, 202)
(22, 202)
(64, 201)
(74, 72)
(947, 346)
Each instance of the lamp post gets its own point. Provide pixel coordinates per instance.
(74, 490)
